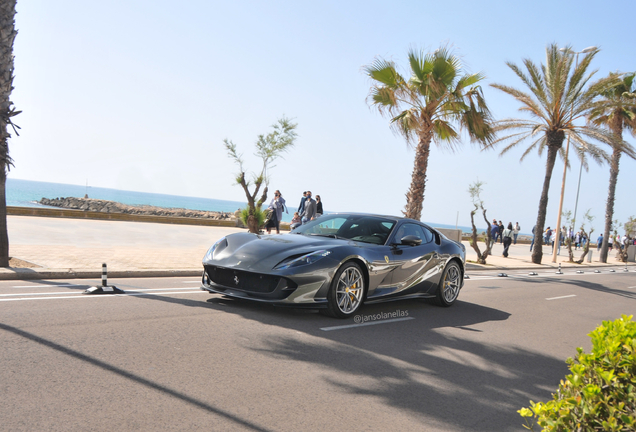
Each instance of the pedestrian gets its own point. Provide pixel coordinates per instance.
(318, 206)
(309, 212)
(301, 207)
(295, 222)
(501, 230)
(277, 205)
(577, 240)
(599, 242)
(553, 237)
(547, 235)
(610, 242)
(564, 235)
(494, 230)
(534, 228)
(507, 239)
(515, 232)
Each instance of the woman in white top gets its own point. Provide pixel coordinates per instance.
(507, 239)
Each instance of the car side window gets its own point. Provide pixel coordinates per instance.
(411, 229)
(428, 235)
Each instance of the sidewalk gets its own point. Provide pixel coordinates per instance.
(76, 248)
(519, 257)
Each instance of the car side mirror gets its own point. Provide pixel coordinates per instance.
(411, 240)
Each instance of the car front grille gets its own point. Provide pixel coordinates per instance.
(242, 280)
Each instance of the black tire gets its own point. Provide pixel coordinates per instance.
(346, 292)
(449, 285)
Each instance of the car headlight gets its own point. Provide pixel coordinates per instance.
(310, 258)
(210, 253)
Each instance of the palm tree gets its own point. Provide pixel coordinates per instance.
(559, 96)
(616, 112)
(426, 107)
(7, 111)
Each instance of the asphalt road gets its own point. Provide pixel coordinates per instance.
(164, 358)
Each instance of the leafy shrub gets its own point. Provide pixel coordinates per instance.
(259, 214)
(600, 393)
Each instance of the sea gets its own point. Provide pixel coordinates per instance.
(27, 193)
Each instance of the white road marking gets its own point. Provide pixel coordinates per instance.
(71, 292)
(48, 285)
(365, 324)
(81, 296)
(562, 297)
(587, 272)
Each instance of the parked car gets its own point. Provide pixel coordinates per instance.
(338, 262)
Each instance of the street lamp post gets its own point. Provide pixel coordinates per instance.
(576, 203)
(565, 167)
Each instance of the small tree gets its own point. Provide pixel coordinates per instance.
(475, 190)
(587, 217)
(621, 249)
(268, 147)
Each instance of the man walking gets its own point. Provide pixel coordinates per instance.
(515, 232)
(301, 207)
(494, 230)
(309, 211)
(534, 228)
(599, 242)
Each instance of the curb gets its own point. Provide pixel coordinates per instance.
(480, 267)
(35, 274)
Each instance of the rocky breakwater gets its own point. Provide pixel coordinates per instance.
(103, 206)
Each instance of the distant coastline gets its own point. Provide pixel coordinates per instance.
(105, 206)
(28, 193)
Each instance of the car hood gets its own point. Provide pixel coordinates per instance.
(258, 253)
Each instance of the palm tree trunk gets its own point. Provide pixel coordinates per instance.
(609, 207)
(4, 236)
(415, 195)
(7, 36)
(553, 149)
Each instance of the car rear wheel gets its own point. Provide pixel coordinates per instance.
(449, 285)
(346, 292)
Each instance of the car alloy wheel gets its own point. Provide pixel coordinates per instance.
(346, 292)
(449, 285)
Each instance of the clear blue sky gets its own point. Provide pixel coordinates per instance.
(139, 95)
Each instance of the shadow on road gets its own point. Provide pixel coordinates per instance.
(439, 365)
(133, 377)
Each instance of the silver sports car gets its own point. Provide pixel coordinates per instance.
(336, 263)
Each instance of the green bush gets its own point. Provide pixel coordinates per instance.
(600, 393)
(258, 213)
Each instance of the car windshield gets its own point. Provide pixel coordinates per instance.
(362, 228)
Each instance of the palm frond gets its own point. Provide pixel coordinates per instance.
(444, 132)
(384, 72)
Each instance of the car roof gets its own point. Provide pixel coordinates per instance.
(399, 218)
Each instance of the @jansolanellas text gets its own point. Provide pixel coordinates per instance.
(359, 319)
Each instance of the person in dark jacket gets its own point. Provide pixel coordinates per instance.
(507, 239)
(301, 207)
(494, 231)
(318, 206)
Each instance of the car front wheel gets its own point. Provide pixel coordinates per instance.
(449, 285)
(346, 291)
